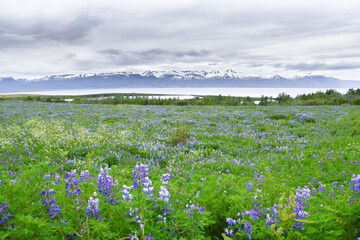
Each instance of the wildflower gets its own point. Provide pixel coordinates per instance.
(202, 210)
(254, 214)
(133, 237)
(106, 185)
(164, 194)
(70, 174)
(4, 217)
(270, 220)
(302, 194)
(356, 182)
(93, 209)
(230, 221)
(193, 207)
(54, 210)
(249, 187)
(84, 176)
(322, 187)
(229, 232)
(141, 176)
(165, 178)
(126, 193)
(248, 227)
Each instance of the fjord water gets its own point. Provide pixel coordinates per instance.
(183, 92)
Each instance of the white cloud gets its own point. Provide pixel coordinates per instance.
(258, 37)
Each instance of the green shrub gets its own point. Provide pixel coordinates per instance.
(179, 135)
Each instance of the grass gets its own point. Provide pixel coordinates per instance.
(174, 172)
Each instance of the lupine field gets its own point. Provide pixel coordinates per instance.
(72, 171)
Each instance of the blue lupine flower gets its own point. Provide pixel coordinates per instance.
(165, 178)
(230, 221)
(106, 185)
(356, 182)
(126, 193)
(248, 227)
(54, 210)
(141, 174)
(133, 237)
(254, 214)
(193, 207)
(4, 217)
(92, 209)
(229, 232)
(249, 187)
(322, 187)
(202, 210)
(164, 194)
(85, 176)
(302, 194)
(270, 220)
(71, 185)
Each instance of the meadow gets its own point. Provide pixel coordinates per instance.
(86, 171)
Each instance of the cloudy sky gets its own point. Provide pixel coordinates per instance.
(257, 37)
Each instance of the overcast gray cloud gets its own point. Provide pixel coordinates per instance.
(324, 66)
(258, 37)
(153, 56)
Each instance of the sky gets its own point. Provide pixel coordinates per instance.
(257, 37)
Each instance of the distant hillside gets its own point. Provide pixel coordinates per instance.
(173, 79)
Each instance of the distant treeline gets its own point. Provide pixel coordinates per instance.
(330, 97)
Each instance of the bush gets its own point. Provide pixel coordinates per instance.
(179, 135)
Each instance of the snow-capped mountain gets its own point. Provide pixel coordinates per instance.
(163, 79)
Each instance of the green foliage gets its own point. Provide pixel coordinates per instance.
(211, 154)
(284, 99)
(179, 136)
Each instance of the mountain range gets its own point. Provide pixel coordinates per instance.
(169, 79)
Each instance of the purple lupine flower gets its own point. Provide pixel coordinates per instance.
(302, 194)
(313, 192)
(192, 207)
(249, 187)
(126, 193)
(202, 210)
(141, 176)
(133, 237)
(106, 185)
(71, 185)
(164, 194)
(270, 220)
(322, 187)
(4, 217)
(54, 210)
(57, 179)
(47, 177)
(248, 227)
(254, 214)
(48, 192)
(147, 187)
(70, 174)
(230, 221)
(229, 232)
(165, 178)
(48, 202)
(356, 182)
(92, 209)
(85, 176)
